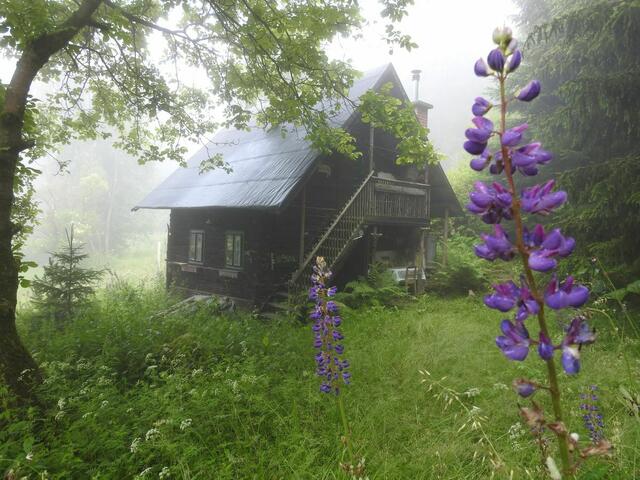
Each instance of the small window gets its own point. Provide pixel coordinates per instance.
(233, 246)
(196, 245)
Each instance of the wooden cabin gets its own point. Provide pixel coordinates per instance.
(254, 232)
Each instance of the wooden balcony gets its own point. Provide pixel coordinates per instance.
(398, 202)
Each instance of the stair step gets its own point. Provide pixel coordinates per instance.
(284, 295)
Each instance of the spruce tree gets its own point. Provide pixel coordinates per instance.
(65, 285)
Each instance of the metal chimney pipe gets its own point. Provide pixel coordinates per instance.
(416, 82)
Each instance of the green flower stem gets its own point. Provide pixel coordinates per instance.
(347, 430)
(552, 374)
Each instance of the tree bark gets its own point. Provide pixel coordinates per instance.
(17, 366)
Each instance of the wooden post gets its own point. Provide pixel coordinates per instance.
(371, 139)
(445, 237)
(303, 216)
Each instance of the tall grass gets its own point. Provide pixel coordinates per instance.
(203, 395)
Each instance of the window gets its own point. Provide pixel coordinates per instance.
(233, 245)
(196, 245)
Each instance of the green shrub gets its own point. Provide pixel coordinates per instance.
(379, 288)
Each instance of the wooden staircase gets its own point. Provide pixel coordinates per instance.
(334, 244)
(338, 239)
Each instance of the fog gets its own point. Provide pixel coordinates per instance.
(451, 35)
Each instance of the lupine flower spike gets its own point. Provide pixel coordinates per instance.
(539, 250)
(331, 367)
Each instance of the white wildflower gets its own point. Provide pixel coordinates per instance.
(472, 392)
(164, 473)
(151, 434)
(135, 445)
(144, 472)
(186, 423)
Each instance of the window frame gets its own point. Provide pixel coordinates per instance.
(195, 233)
(237, 250)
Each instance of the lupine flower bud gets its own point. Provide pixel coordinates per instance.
(481, 69)
(515, 341)
(529, 92)
(481, 106)
(479, 163)
(502, 36)
(514, 61)
(479, 136)
(496, 60)
(545, 347)
(524, 387)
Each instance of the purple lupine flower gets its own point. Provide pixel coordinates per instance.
(551, 245)
(565, 294)
(515, 341)
(509, 295)
(479, 163)
(491, 203)
(592, 416)
(545, 347)
(529, 92)
(495, 59)
(330, 366)
(527, 158)
(479, 136)
(524, 388)
(541, 199)
(481, 106)
(513, 136)
(495, 246)
(577, 334)
(514, 60)
(481, 69)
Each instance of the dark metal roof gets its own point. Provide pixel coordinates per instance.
(266, 167)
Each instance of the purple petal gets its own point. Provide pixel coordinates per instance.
(578, 296)
(481, 68)
(541, 263)
(529, 92)
(571, 360)
(474, 148)
(514, 61)
(496, 60)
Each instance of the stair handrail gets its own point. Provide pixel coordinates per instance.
(328, 231)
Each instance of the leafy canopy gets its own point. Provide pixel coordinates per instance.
(264, 61)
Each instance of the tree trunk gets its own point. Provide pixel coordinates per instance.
(18, 368)
(16, 364)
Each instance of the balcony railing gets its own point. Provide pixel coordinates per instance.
(398, 200)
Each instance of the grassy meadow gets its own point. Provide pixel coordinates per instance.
(204, 395)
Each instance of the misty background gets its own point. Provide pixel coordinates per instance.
(99, 184)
